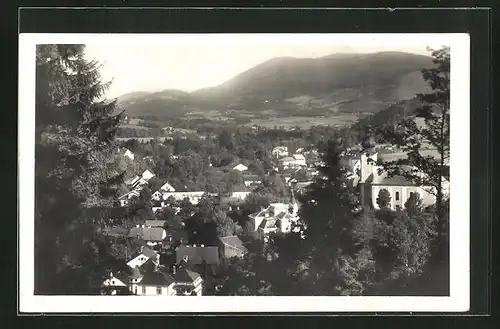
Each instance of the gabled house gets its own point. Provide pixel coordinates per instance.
(240, 167)
(156, 196)
(278, 217)
(151, 281)
(167, 188)
(145, 255)
(115, 285)
(151, 235)
(231, 246)
(187, 282)
(294, 161)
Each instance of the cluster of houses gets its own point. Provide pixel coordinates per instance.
(165, 265)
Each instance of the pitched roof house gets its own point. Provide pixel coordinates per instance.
(277, 217)
(151, 235)
(145, 255)
(231, 246)
(240, 167)
(167, 188)
(187, 282)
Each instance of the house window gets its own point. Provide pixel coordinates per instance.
(158, 290)
(143, 290)
(397, 196)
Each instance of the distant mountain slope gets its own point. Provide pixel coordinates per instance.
(288, 77)
(338, 83)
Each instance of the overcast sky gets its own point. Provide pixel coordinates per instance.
(188, 66)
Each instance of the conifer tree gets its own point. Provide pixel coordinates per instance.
(76, 176)
(326, 218)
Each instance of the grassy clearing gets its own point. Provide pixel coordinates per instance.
(305, 122)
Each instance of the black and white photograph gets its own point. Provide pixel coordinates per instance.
(230, 168)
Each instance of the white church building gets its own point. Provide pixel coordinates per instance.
(399, 188)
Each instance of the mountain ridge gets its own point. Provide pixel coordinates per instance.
(345, 82)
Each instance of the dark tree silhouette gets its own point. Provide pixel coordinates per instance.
(383, 198)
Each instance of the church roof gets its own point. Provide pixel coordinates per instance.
(395, 181)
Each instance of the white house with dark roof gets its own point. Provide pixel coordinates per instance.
(150, 279)
(399, 188)
(145, 255)
(278, 217)
(187, 282)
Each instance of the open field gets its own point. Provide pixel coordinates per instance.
(305, 122)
